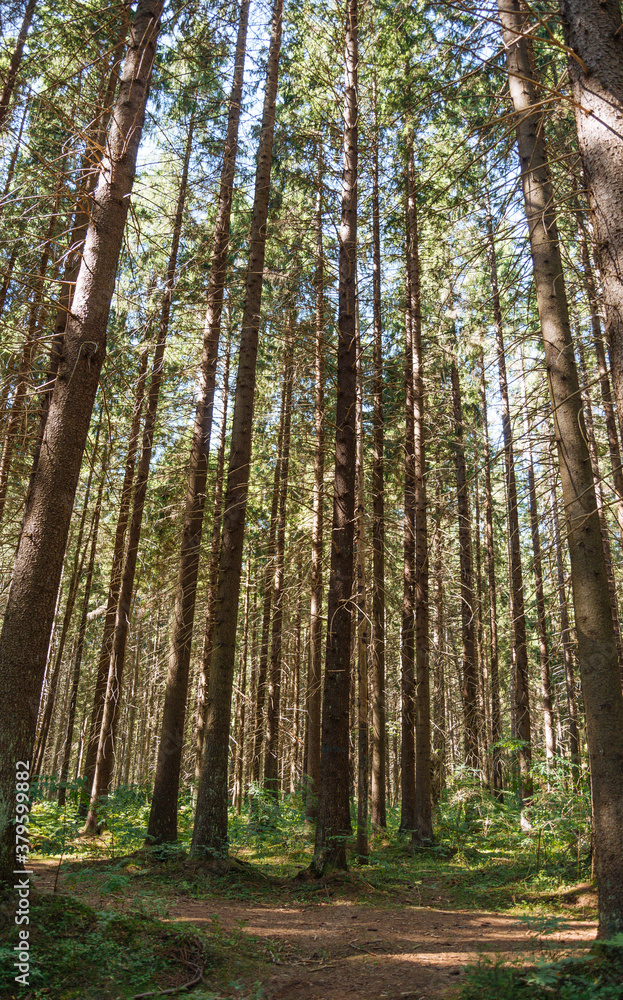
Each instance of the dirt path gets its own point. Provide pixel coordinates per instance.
(346, 950)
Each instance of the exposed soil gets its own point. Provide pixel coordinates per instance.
(343, 949)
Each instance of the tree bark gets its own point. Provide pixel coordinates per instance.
(210, 830)
(597, 655)
(112, 700)
(469, 679)
(363, 850)
(522, 691)
(163, 816)
(333, 821)
(314, 679)
(16, 59)
(271, 757)
(378, 812)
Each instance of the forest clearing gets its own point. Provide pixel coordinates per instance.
(311, 499)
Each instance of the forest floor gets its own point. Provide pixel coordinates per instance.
(490, 912)
(342, 938)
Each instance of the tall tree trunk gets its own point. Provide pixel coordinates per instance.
(522, 691)
(597, 655)
(592, 450)
(314, 678)
(82, 628)
(333, 821)
(74, 583)
(267, 603)
(38, 562)
(469, 679)
(112, 700)
(423, 828)
(537, 567)
(362, 625)
(407, 646)
(163, 816)
(16, 59)
(210, 830)
(271, 757)
(215, 554)
(241, 701)
(379, 723)
(439, 698)
(114, 586)
(602, 368)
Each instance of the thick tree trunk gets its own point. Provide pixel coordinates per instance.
(407, 648)
(333, 821)
(215, 555)
(163, 816)
(378, 812)
(362, 627)
(522, 692)
(112, 700)
(314, 677)
(271, 757)
(38, 563)
(210, 831)
(14, 65)
(469, 679)
(597, 655)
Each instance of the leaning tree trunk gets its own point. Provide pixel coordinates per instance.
(39, 559)
(597, 655)
(210, 830)
(16, 59)
(112, 700)
(378, 812)
(333, 821)
(314, 679)
(163, 816)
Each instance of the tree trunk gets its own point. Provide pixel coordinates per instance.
(114, 587)
(522, 691)
(597, 655)
(271, 757)
(14, 65)
(379, 724)
(210, 831)
(469, 678)
(112, 700)
(362, 626)
(215, 554)
(407, 649)
(537, 567)
(38, 562)
(423, 828)
(314, 679)
(333, 822)
(82, 628)
(163, 816)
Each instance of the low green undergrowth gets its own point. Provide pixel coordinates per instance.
(596, 976)
(78, 953)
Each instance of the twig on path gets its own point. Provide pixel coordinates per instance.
(175, 989)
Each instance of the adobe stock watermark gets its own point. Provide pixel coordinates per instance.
(22, 883)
